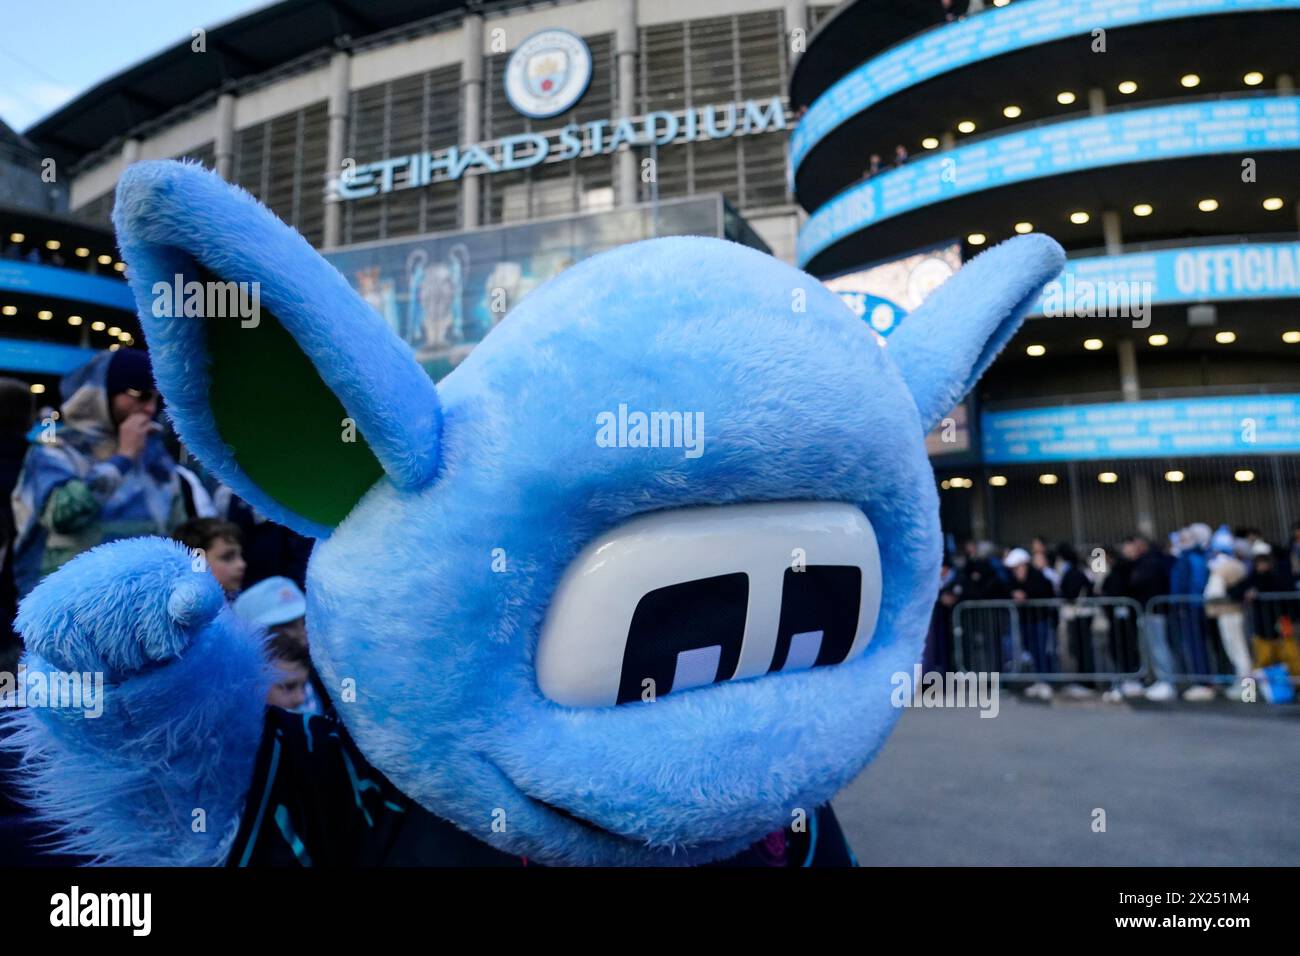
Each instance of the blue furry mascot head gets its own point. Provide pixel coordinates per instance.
(634, 578)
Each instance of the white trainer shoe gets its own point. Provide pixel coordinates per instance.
(1161, 691)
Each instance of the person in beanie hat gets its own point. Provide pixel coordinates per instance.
(96, 473)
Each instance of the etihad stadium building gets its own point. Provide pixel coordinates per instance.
(1157, 383)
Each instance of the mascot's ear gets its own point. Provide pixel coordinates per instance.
(945, 345)
(301, 407)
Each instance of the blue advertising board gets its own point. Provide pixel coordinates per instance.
(42, 358)
(1212, 273)
(1234, 425)
(990, 34)
(1129, 136)
(34, 279)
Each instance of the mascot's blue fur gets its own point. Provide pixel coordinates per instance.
(799, 404)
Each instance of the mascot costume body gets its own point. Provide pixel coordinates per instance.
(628, 586)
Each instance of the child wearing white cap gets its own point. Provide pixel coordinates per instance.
(278, 605)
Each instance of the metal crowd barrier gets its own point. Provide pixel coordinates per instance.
(1179, 638)
(1193, 640)
(1051, 639)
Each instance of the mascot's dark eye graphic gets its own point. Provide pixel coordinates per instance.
(682, 599)
(819, 616)
(685, 635)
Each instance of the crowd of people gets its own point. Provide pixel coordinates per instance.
(100, 467)
(876, 165)
(1215, 606)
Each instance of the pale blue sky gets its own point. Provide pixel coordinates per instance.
(51, 50)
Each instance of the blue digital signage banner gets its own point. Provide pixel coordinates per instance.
(1129, 136)
(1237, 425)
(984, 36)
(1218, 273)
(42, 358)
(33, 279)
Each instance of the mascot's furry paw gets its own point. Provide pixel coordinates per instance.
(152, 768)
(120, 608)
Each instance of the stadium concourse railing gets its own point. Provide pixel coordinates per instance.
(1183, 639)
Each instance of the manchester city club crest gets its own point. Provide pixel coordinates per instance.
(548, 73)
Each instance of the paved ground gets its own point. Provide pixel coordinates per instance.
(1213, 785)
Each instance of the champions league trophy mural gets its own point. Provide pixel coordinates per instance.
(426, 298)
(435, 316)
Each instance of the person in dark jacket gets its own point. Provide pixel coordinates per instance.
(1148, 575)
(1118, 578)
(979, 581)
(1265, 577)
(982, 640)
(15, 417)
(1074, 583)
(1027, 582)
(937, 656)
(1037, 622)
(1149, 579)
(332, 808)
(1121, 620)
(1074, 586)
(18, 835)
(1294, 556)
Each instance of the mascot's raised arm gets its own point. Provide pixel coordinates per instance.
(629, 586)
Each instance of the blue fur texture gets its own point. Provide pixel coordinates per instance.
(944, 346)
(171, 217)
(800, 401)
(183, 704)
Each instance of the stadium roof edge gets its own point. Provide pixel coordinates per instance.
(248, 46)
(890, 22)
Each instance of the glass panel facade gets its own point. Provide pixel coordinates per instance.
(443, 293)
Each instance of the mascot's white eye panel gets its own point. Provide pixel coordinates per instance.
(684, 598)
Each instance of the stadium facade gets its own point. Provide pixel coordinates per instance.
(1158, 382)
(62, 291)
(393, 135)
(449, 156)
(411, 99)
